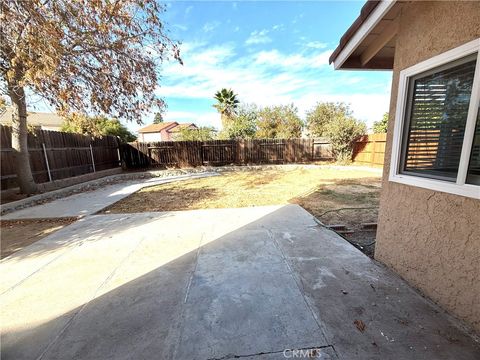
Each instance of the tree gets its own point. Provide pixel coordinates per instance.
(203, 133)
(281, 122)
(342, 134)
(324, 113)
(158, 119)
(243, 125)
(97, 126)
(81, 56)
(226, 105)
(380, 127)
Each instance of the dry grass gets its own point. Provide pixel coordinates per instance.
(318, 190)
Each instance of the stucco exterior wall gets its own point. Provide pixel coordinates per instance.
(431, 238)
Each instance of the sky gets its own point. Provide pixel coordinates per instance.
(269, 53)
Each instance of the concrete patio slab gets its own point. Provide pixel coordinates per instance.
(90, 202)
(256, 283)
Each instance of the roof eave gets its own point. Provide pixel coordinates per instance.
(339, 58)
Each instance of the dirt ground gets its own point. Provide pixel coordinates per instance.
(347, 197)
(16, 234)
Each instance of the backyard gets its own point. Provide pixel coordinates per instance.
(243, 271)
(345, 196)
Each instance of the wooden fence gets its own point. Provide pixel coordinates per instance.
(225, 152)
(370, 150)
(58, 155)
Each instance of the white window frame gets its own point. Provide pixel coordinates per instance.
(459, 187)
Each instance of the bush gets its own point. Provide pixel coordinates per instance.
(380, 127)
(324, 113)
(242, 125)
(342, 134)
(279, 122)
(203, 133)
(96, 126)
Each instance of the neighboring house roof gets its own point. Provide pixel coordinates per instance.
(33, 118)
(182, 126)
(171, 127)
(369, 43)
(154, 128)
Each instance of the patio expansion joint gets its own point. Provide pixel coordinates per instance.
(234, 356)
(77, 313)
(299, 282)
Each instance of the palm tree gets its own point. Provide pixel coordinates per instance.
(226, 105)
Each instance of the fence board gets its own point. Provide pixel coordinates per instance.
(224, 152)
(68, 155)
(370, 150)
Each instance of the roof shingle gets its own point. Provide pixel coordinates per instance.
(158, 127)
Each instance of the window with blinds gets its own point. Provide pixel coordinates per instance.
(437, 110)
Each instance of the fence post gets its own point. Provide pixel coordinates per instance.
(312, 150)
(118, 152)
(93, 160)
(372, 156)
(46, 162)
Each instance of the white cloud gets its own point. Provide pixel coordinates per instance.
(366, 107)
(258, 37)
(188, 9)
(210, 26)
(316, 45)
(181, 27)
(212, 56)
(268, 78)
(275, 58)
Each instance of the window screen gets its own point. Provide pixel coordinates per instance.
(437, 111)
(473, 174)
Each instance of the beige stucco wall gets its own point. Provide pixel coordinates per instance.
(430, 238)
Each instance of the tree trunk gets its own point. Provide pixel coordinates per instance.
(226, 120)
(19, 140)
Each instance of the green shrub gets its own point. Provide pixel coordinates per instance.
(324, 113)
(380, 127)
(242, 125)
(342, 134)
(279, 122)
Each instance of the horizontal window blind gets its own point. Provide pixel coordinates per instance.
(437, 108)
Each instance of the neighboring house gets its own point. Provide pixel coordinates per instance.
(42, 120)
(162, 132)
(429, 221)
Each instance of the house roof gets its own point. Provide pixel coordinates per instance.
(33, 118)
(182, 126)
(369, 43)
(153, 128)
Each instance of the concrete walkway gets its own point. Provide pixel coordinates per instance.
(255, 283)
(90, 202)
